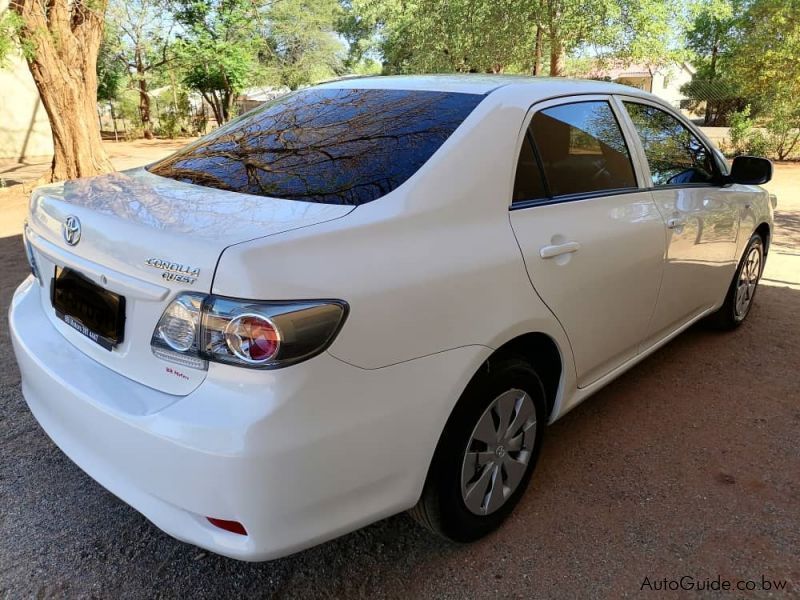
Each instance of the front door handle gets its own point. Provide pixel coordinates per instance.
(559, 249)
(675, 222)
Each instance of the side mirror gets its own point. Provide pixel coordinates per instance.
(750, 170)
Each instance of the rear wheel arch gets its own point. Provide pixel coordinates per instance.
(537, 349)
(542, 353)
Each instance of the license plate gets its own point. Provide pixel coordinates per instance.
(89, 309)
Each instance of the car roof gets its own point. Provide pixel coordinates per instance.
(484, 84)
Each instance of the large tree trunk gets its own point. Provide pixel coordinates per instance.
(213, 101)
(558, 57)
(66, 39)
(537, 51)
(708, 118)
(144, 108)
(144, 97)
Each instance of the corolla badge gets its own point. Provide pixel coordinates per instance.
(71, 230)
(174, 271)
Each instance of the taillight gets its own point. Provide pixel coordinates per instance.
(178, 325)
(196, 328)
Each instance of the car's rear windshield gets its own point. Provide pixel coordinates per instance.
(335, 146)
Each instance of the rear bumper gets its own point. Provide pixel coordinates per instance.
(298, 456)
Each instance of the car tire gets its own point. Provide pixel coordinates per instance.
(742, 291)
(478, 474)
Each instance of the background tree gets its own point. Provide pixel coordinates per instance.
(143, 28)
(765, 55)
(357, 30)
(60, 40)
(303, 47)
(219, 47)
(764, 62)
(512, 35)
(111, 72)
(711, 38)
(456, 36)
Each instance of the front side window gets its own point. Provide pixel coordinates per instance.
(582, 149)
(676, 156)
(335, 146)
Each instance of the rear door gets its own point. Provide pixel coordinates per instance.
(592, 239)
(701, 217)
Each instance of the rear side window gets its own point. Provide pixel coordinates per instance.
(675, 155)
(335, 146)
(528, 184)
(582, 149)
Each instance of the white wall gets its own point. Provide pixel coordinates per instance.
(24, 128)
(667, 82)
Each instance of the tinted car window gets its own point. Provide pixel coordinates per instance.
(336, 146)
(582, 149)
(676, 156)
(528, 184)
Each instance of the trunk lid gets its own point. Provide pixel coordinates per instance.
(148, 238)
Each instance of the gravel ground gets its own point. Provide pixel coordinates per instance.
(689, 465)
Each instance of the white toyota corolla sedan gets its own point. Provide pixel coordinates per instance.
(371, 296)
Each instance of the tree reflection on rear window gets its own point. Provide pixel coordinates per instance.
(335, 146)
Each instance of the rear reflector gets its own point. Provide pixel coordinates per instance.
(232, 526)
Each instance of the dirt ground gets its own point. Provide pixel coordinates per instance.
(688, 465)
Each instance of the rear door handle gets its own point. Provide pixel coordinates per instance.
(675, 222)
(559, 249)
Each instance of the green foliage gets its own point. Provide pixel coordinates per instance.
(779, 139)
(746, 52)
(765, 58)
(303, 42)
(500, 35)
(711, 39)
(111, 72)
(214, 65)
(126, 107)
(647, 31)
(457, 36)
(744, 137)
(358, 32)
(10, 41)
(174, 119)
(226, 45)
(7, 35)
(219, 47)
(783, 130)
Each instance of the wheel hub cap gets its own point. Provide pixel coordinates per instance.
(748, 280)
(498, 452)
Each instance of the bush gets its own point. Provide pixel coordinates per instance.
(169, 125)
(741, 129)
(745, 138)
(783, 132)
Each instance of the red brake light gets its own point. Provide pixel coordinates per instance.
(232, 526)
(252, 338)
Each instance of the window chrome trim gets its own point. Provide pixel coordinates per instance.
(534, 202)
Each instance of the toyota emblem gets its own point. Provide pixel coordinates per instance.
(72, 230)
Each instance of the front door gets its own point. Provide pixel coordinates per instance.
(592, 241)
(701, 218)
